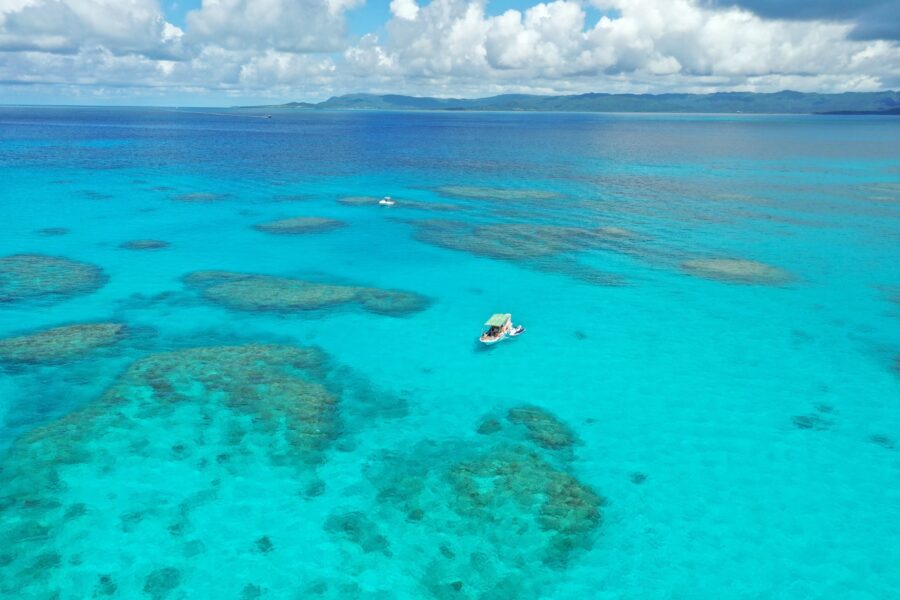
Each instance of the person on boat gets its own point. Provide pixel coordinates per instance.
(499, 326)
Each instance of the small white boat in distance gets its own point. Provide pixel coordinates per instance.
(386, 201)
(500, 327)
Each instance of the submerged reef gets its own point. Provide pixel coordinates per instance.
(502, 517)
(496, 514)
(37, 276)
(171, 432)
(882, 440)
(200, 197)
(506, 241)
(144, 245)
(251, 292)
(59, 344)
(503, 194)
(518, 241)
(52, 231)
(542, 427)
(736, 270)
(300, 225)
(541, 247)
(357, 528)
(359, 201)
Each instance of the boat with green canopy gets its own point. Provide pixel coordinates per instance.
(499, 327)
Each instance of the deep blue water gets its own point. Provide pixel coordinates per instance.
(705, 404)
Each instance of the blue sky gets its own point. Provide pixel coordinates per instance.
(267, 51)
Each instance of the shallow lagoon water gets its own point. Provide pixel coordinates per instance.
(731, 436)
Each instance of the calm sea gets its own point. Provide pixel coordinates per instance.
(199, 399)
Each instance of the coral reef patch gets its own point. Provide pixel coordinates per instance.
(736, 270)
(38, 276)
(252, 292)
(541, 247)
(882, 440)
(497, 194)
(144, 245)
(203, 417)
(200, 197)
(60, 344)
(497, 514)
(542, 427)
(357, 528)
(489, 509)
(52, 231)
(300, 225)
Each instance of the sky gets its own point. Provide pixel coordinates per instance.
(228, 52)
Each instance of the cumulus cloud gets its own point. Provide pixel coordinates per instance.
(405, 9)
(281, 25)
(66, 27)
(655, 44)
(300, 49)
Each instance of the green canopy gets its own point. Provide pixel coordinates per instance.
(498, 320)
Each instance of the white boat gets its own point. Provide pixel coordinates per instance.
(386, 201)
(499, 327)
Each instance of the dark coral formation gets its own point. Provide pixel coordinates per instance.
(496, 194)
(357, 528)
(227, 406)
(300, 225)
(812, 421)
(512, 241)
(52, 231)
(882, 440)
(491, 507)
(264, 544)
(265, 381)
(736, 270)
(37, 276)
(492, 504)
(541, 247)
(542, 427)
(359, 201)
(144, 245)
(489, 426)
(251, 292)
(60, 344)
(160, 583)
(200, 197)
(559, 504)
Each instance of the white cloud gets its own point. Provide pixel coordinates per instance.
(657, 44)
(405, 9)
(298, 49)
(66, 27)
(281, 25)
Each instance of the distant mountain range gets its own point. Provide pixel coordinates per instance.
(887, 103)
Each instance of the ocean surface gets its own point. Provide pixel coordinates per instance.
(199, 399)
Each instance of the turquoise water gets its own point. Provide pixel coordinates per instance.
(671, 425)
